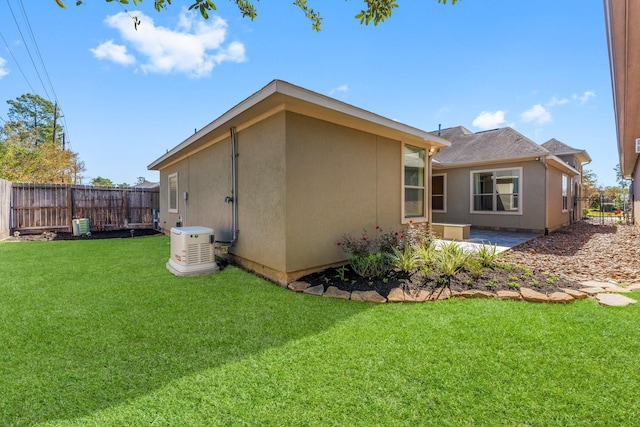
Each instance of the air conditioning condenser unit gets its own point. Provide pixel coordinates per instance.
(192, 251)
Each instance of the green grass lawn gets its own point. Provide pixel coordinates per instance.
(100, 333)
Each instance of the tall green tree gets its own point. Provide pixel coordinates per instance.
(33, 119)
(375, 11)
(590, 184)
(101, 182)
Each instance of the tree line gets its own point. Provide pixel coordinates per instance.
(33, 146)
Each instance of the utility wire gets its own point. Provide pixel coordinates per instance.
(42, 63)
(17, 63)
(28, 51)
(35, 43)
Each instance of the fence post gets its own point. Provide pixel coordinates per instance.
(70, 208)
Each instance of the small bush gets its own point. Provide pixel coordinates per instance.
(370, 265)
(487, 255)
(404, 259)
(450, 259)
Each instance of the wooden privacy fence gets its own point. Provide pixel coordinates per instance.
(52, 207)
(5, 208)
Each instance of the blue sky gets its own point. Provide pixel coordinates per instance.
(539, 66)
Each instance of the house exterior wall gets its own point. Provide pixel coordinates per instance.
(339, 181)
(302, 184)
(206, 176)
(459, 199)
(556, 217)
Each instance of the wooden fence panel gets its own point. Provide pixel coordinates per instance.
(5, 208)
(40, 207)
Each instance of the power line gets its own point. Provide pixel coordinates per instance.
(35, 43)
(33, 62)
(17, 63)
(28, 51)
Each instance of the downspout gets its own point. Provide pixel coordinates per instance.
(546, 191)
(233, 198)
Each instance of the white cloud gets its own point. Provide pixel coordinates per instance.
(194, 47)
(3, 70)
(537, 114)
(488, 120)
(341, 88)
(113, 52)
(557, 101)
(584, 98)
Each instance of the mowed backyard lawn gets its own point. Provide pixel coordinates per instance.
(98, 332)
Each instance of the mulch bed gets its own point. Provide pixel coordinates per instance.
(506, 277)
(111, 234)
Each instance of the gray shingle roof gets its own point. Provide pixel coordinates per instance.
(560, 148)
(492, 145)
(557, 147)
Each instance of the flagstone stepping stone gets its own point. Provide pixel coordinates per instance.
(592, 291)
(634, 287)
(615, 288)
(595, 284)
(575, 293)
(509, 295)
(420, 295)
(370, 296)
(474, 293)
(298, 286)
(614, 300)
(401, 295)
(439, 294)
(533, 296)
(396, 295)
(560, 297)
(314, 290)
(333, 292)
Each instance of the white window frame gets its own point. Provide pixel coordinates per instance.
(171, 177)
(444, 193)
(425, 187)
(496, 212)
(565, 193)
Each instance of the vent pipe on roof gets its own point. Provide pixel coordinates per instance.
(439, 127)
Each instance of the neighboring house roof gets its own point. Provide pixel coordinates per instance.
(147, 184)
(497, 145)
(280, 96)
(561, 149)
(492, 147)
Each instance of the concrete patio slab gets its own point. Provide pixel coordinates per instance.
(502, 239)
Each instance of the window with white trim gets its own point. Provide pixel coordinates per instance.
(438, 193)
(496, 191)
(414, 182)
(173, 193)
(565, 193)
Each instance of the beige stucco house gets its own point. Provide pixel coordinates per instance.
(284, 174)
(500, 179)
(622, 18)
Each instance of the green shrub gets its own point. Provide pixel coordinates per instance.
(404, 259)
(487, 255)
(450, 259)
(370, 265)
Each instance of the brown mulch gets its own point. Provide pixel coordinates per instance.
(110, 234)
(585, 251)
